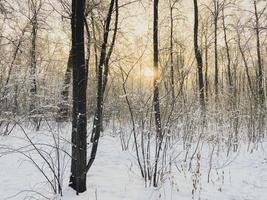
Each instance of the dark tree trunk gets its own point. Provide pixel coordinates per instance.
(198, 57)
(108, 56)
(106, 68)
(88, 47)
(95, 44)
(99, 99)
(156, 102)
(79, 123)
(74, 105)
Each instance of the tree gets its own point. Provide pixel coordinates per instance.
(244, 59)
(198, 56)
(102, 80)
(79, 118)
(226, 42)
(216, 17)
(172, 7)
(35, 7)
(259, 61)
(156, 102)
(63, 105)
(207, 44)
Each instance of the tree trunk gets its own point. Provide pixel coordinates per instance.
(245, 64)
(206, 65)
(229, 73)
(99, 99)
(198, 57)
(33, 87)
(63, 105)
(156, 102)
(216, 78)
(79, 126)
(95, 44)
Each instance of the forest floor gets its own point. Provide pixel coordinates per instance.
(115, 175)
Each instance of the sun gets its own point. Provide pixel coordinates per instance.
(148, 73)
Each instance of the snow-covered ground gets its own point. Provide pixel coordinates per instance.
(115, 175)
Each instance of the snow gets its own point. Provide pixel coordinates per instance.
(115, 175)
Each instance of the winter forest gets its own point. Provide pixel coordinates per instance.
(133, 99)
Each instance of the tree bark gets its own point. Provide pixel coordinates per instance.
(33, 87)
(79, 123)
(156, 101)
(99, 99)
(198, 57)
